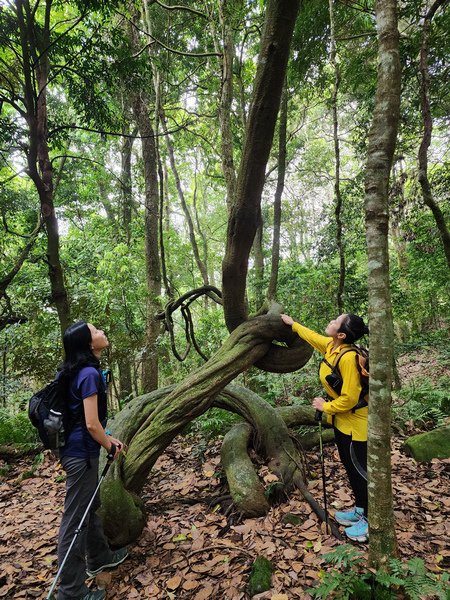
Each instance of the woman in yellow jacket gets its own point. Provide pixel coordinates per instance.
(350, 426)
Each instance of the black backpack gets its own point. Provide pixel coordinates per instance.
(334, 379)
(48, 411)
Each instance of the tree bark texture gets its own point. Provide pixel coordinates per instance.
(36, 67)
(140, 104)
(245, 213)
(427, 132)
(265, 428)
(258, 267)
(278, 194)
(382, 140)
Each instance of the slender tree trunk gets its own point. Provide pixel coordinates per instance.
(140, 106)
(382, 140)
(246, 211)
(427, 132)
(278, 195)
(40, 168)
(226, 99)
(125, 179)
(337, 163)
(200, 263)
(125, 381)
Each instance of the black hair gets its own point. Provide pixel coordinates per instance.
(77, 346)
(354, 328)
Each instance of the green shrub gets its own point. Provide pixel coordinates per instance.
(16, 429)
(349, 581)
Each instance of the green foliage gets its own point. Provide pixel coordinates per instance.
(17, 429)
(215, 422)
(349, 580)
(424, 402)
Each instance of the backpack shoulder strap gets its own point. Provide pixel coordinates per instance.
(341, 354)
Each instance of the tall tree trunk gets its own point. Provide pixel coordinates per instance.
(40, 168)
(140, 106)
(382, 140)
(226, 99)
(337, 161)
(200, 263)
(278, 194)
(427, 131)
(246, 210)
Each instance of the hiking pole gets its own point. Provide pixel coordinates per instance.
(78, 530)
(318, 418)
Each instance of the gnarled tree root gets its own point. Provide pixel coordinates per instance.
(123, 512)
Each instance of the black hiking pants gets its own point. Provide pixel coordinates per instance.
(91, 545)
(353, 456)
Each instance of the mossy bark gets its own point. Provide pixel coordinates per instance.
(246, 488)
(271, 437)
(248, 343)
(429, 445)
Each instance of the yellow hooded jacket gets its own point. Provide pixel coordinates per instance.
(339, 406)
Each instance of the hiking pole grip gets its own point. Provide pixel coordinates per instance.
(318, 416)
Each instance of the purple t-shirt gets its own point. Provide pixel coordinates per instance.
(79, 442)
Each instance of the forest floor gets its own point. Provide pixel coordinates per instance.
(189, 549)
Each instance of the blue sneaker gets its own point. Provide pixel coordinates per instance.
(358, 532)
(350, 517)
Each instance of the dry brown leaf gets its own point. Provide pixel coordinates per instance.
(174, 582)
(204, 593)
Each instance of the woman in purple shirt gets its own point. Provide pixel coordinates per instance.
(87, 398)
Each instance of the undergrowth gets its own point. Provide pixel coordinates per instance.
(350, 580)
(16, 429)
(423, 402)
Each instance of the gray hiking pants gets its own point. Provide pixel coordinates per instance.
(91, 543)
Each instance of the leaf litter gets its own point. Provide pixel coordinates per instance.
(196, 546)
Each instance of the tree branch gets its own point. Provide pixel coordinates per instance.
(178, 7)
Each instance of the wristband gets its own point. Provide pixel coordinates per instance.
(112, 452)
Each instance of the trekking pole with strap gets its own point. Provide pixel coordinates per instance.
(318, 418)
(78, 530)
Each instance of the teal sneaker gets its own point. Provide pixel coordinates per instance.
(117, 558)
(358, 532)
(350, 517)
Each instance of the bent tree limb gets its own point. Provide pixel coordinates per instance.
(123, 511)
(246, 210)
(245, 346)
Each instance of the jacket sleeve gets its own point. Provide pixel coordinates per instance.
(317, 341)
(351, 386)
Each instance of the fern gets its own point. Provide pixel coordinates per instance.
(349, 583)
